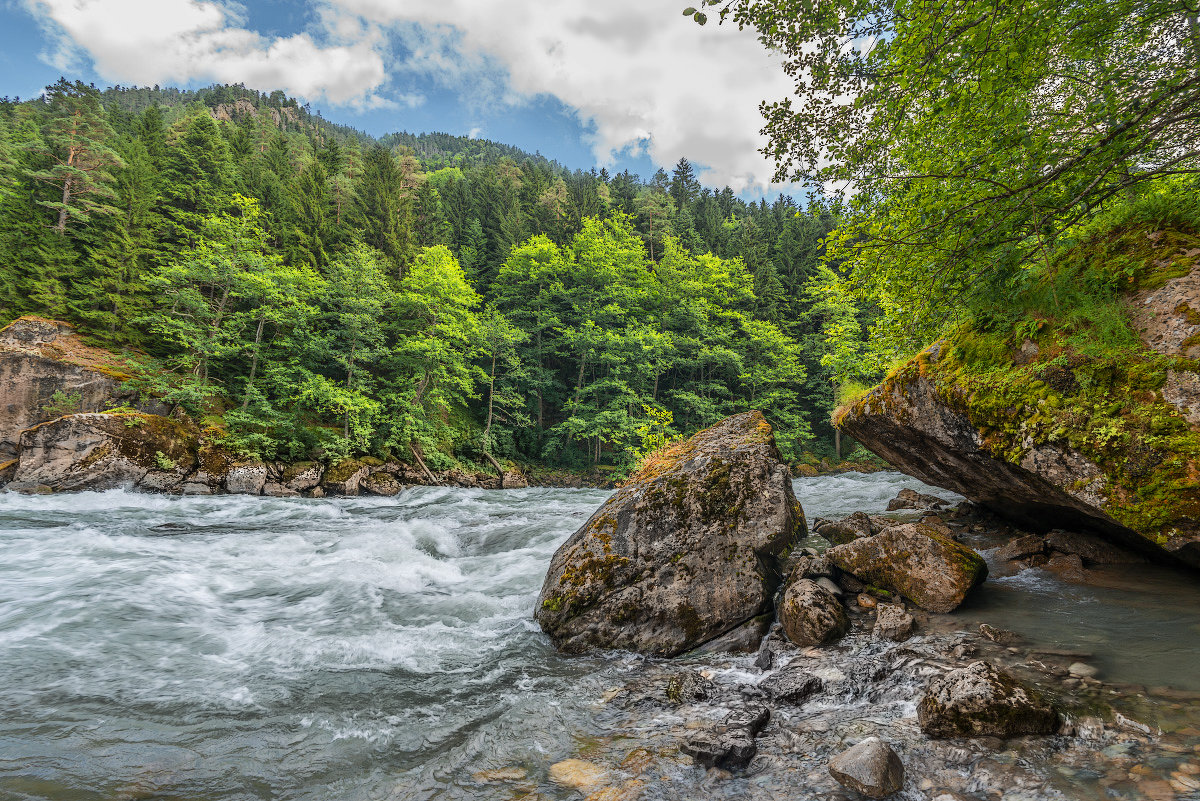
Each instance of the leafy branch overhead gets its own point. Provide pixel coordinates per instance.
(968, 136)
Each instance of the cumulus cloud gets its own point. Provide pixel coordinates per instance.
(640, 76)
(166, 41)
(638, 72)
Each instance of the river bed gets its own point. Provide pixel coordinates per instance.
(367, 648)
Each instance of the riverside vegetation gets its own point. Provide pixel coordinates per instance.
(301, 290)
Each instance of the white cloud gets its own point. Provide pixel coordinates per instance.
(638, 71)
(165, 41)
(639, 75)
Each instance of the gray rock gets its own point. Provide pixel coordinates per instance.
(983, 701)
(687, 550)
(729, 750)
(1022, 548)
(273, 489)
(381, 483)
(911, 499)
(344, 477)
(301, 476)
(892, 622)
(998, 636)
(32, 370)
(829, 585)
(933, 572)
(512, 479)
(745, 639)
(1091, 549)
(791, 686)
(102, 451)
(848, 529)
(812, 615)
(246, 479)
(871, 768)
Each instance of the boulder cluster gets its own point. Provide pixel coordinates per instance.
(707, 545)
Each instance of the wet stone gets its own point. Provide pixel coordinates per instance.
(792, 686)
(871, 768)
(892, 622)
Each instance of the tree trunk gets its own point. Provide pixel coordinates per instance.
(262, 318)
(495, 464)
(417, 455)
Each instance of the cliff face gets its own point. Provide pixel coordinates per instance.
(39, 358)
(1057, 436)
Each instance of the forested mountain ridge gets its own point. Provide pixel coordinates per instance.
(303, 289)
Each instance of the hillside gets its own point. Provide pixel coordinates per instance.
(305, 291)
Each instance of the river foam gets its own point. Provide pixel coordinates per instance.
(248, 648)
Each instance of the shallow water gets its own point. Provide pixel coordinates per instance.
(251, 648)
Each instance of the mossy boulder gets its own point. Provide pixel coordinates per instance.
(345, 477)
(1066, 440)
(915, 561)
(983, 701)
(687, 550)
(812, 615)
(104, 451)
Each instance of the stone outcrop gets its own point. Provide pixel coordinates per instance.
(39, 358)
(871, 768)
(981, 701)
(104, 451)
(1060, 438)
(915, 561)
(687, 550)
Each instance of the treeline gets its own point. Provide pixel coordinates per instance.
(302, 289)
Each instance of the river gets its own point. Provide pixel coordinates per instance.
(366, 648)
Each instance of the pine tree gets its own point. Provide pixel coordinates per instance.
(76, 140)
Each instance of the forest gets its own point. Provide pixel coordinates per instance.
(300, 289)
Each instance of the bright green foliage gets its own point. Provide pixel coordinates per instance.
(303, 291)
(977, 133)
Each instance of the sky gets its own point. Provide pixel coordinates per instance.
(624, 84)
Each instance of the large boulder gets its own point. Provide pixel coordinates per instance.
(687, 550)
(1054, 437)
(47, 371)
(982, 701)
(914, 560)
(104, 451)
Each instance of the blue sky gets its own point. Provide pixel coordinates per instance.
(623, 83)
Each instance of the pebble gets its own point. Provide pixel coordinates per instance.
(867, 601)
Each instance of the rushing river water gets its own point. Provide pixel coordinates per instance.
(366, 648)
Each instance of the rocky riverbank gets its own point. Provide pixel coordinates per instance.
(69, 421)
(860, 618)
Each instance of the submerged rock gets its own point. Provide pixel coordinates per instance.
(686, 551)
(915, 561)
(871, 768)
(982, 701)
(812, 615)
